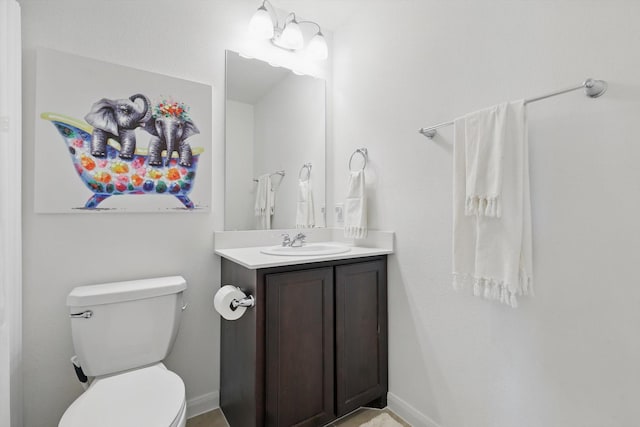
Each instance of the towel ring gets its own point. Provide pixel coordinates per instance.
(308, 167)
(365, 155)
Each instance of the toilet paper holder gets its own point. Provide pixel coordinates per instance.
(231, 302)
(247, 301)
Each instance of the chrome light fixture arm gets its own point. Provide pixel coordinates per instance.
(271, 11)
(291, 15)
(319, 33)
(311, 22)
(277, 29)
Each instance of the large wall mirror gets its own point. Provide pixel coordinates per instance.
(275, 129)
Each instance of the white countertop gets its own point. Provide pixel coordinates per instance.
(252, 258)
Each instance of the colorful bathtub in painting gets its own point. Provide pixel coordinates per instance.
(112, 176)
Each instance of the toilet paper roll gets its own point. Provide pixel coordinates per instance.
(222, 302)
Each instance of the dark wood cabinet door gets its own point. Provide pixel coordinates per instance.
(299, 348)
(361, 335)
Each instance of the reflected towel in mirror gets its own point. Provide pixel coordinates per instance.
(265, 202)
(305, 214)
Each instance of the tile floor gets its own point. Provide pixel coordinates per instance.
(208, 419)
(354, 419)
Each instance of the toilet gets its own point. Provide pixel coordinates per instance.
(121, 333)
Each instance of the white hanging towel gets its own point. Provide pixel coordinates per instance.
(484, 149)
(265, 202)
(492, 243)
(355, 207)
(305, 215)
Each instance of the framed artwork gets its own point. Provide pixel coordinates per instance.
(110, 138)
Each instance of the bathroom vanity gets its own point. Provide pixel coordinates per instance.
(314, 347)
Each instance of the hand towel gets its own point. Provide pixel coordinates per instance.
(265, 202)
(495, 253)
(305, 215)
(355, 207)
(484, 150)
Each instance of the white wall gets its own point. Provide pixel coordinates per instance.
(288, 134)
(239, 185)
(10, 216)
(569, 356)
(185, 39)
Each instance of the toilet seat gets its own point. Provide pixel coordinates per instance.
(152, 396)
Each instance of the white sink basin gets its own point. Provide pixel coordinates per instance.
(308, 249)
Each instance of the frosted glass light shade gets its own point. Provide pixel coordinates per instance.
(291, 37)
(317, 47)
(261, 25)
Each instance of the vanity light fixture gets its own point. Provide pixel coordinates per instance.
(289, 36)
(261, 26)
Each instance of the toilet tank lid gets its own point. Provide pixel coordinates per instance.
(114, 292)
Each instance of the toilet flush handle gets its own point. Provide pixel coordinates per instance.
(84, 315)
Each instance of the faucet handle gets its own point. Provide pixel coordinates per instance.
(286, 240)
(298, 240)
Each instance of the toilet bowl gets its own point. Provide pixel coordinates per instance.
(152, 396)
(121, 333)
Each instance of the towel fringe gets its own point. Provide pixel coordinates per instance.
(262, 212)
(355, 232)
(483, 206)
(494, 290)
(458, 282)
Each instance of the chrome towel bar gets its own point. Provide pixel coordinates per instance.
(592, 88)
(281, 173)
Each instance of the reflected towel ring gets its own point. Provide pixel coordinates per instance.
(365, 155)
(308, 167)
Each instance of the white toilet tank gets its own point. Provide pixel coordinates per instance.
(125, 325)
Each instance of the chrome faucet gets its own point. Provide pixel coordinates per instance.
(299, 238)
(296, 242)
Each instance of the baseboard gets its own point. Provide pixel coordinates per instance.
(210, 401)
(203, 403)
(409, 413)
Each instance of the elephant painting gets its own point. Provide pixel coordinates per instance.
(118, 119)
(171, 126)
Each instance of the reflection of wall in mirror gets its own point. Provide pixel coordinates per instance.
(240, 186)
(275, 121)
(289, 132)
